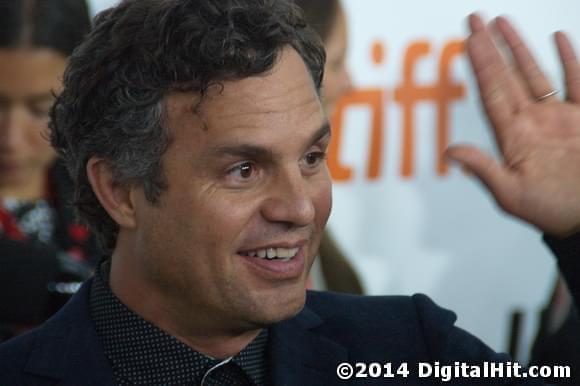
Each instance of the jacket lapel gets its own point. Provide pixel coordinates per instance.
(299, 356)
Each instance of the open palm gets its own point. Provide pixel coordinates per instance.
(538, 179)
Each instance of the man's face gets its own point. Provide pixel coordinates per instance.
(246, 177)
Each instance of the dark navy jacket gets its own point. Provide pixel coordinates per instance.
(304, 350)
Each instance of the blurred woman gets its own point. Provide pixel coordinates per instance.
(40, 243)
(332, 270)
(328, 18)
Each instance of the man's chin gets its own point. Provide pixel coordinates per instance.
(280, 310)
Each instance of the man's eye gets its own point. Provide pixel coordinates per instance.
(243, 171)
(314, 158)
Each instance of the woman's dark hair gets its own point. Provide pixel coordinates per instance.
(112, 104)
(320, 14)
(57, 24)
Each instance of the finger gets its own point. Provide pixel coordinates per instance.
(534, 78)
(476, 23)
(498, 180)
(570, 65)
(501, 93)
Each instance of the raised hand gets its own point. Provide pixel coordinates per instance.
(538, 179)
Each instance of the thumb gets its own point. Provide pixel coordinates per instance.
(498, 180)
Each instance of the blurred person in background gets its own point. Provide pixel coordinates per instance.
(43, 250)
(332, 270)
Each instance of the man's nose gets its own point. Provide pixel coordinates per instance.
(290, 200)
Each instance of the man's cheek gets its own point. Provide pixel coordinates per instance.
(323, 203)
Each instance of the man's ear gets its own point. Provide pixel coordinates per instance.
(115, 198)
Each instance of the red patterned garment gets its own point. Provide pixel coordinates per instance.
(44, 254)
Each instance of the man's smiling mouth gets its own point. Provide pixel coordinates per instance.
(272, 253)
(278, 260)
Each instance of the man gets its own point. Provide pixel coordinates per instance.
(196, 139)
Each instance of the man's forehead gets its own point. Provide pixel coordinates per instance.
(287, 86)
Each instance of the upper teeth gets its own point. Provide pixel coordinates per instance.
(272, 253)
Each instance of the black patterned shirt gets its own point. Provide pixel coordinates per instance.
(143, 354)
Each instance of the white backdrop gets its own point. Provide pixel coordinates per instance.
(440, 234)
(432, 233)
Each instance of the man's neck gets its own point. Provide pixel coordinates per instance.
(204, 335)
(218, 346)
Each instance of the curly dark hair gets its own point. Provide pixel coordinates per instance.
(57, 24)
(139, 52)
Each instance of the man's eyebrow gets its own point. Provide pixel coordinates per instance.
(243, 151)
(255, 151)
(322, 132)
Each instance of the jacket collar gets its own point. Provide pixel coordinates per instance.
(67, 348)
(299, 356)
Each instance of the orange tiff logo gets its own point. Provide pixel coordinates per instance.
(407, 94)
